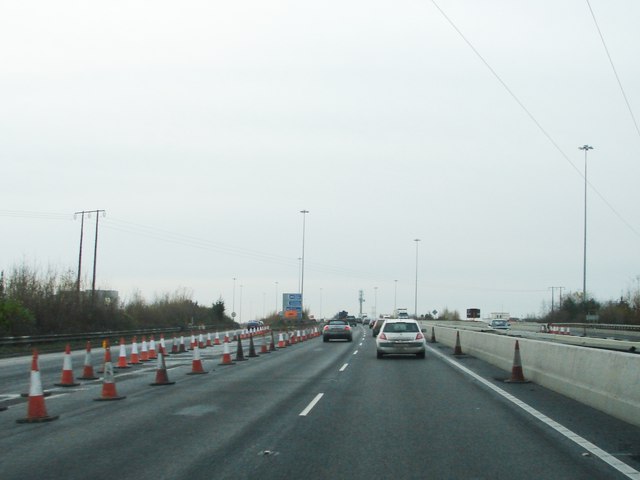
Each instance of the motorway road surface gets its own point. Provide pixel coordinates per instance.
(310, 411)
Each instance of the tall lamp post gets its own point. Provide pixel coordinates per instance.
(375, 302)
(304, 217)
(233, 302)
(415, 306)
(586, 148)
(276, 298)
(395, 297)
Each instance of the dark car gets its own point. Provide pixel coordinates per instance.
(337, 329)
(376, 326)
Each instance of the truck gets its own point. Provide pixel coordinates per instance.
(401, 313)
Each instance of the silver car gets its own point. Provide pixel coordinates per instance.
(400, 336)
(337, 329)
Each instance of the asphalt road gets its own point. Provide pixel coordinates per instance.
(311, 411)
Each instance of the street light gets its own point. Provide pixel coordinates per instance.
(276, 298)
(375, 302)
(586, 148)
(415, 306)
(304, 216)
(395, 297)
(233, 304)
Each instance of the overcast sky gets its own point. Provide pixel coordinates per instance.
(204, 127)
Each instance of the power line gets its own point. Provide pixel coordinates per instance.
(533, 119)
(613, 67)
(131, 228)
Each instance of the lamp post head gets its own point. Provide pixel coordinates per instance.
(585, 147)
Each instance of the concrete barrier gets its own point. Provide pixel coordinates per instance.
(606, 380)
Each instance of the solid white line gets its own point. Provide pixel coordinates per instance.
(574, 437)
(311, 405)
(344, 367)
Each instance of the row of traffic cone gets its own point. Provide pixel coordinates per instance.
(36, 409)
(556, 330)
(517, 373)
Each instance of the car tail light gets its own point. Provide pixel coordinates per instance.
(382, 336)
(419, 336)
(326, 327)
(347, 327)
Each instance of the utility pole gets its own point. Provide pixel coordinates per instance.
(80, 255)
(361, 300)
(95, 247)
(95, 253)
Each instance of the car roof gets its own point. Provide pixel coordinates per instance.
(400, 320)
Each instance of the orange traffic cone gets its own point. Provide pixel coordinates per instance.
(281, 343)
(67, 370)
(135, 356)
(122, 358)
(174, 346)
(272, 344)
(108, 383)
(216, 340)
(208, 344)
(517, 375)
(226, 355)
(36, 409)
(182, 347)
(153, 354)
(163, 345)
(458, 349)
(196, 365)
(144, 351)
(87, 372)
(161, 373)
(264, 347)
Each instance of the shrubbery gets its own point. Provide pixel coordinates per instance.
(34, 303)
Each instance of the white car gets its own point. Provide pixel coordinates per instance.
(400, 336)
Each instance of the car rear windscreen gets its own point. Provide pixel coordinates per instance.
(400, 327)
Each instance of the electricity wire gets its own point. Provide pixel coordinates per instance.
(613, 67)
(533, 119)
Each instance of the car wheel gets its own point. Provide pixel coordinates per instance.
(325, 339)
(420, 355)
(350, 339)
(379, 354)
